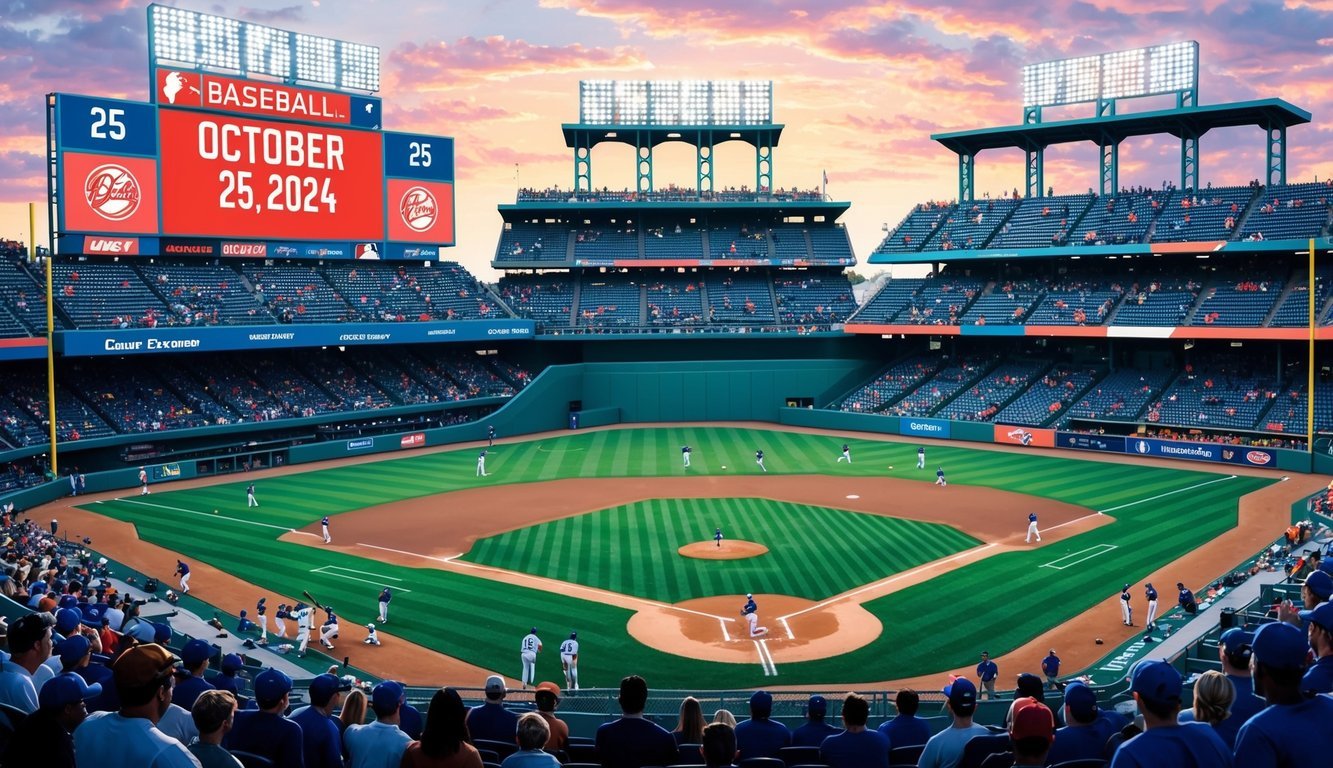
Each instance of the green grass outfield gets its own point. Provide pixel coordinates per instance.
(997, 604)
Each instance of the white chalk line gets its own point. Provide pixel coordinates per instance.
(353, 570)
(725, 634)
(377, 582)
(790, 635)
(1100, 549)
(1169, 493)
(766, 658)
(212, 516)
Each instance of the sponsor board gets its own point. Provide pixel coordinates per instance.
(1027, 436)
(246, 250)
(166, 471)
(1193, 451)
(198, 90)
(923, 427)
(1085, 442)
(361, 444)
(413, 440)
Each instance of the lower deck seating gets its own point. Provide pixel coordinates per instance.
(951, 378)
(891, 384)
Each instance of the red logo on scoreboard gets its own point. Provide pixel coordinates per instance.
(112, 192)
(418, 209)
(425, 211)
(123, 246)
(191, 89)
(109, 194)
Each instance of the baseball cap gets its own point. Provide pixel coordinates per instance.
(1233, 639)
(1031, 686)
(143, 665)
(1032, 720)
(144, 632)
(67, 620)
(322, 687)
(533, 630)
(28, 630)
(196, 652)
(1326, 565)
(74, 648)
(161, 633)
(495, 684)
(66, 688)
(272, 684)
(68, 601)
(748, 595)
(961, 691)
(762, 701)
(1321, 615)
(232, 662)
(1281, 646)
(1156, 681)
(1320, 584)
(1081, 700)
(549, 687)
(386, 695)
(818, 705)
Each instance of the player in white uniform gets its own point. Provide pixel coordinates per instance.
(329, 629)
(143, 481)
(1126, 610)
(921, 457)
(1032, 528)
(481, 464)
(846, 454)
(569, 659)
(303, 619)
(324, 524)
(261, 610)
(1151, 594)
(685, 452)
(759, 459)
(250, 496)
(372, 638)
(751, 614)
(528, 650)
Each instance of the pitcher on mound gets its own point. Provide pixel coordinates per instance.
(751, 614)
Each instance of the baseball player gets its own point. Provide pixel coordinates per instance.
(385, 597)
(301, 613)
(261, 610)
(528, 650)
(481, 464)
(751, 614)
(569, 659)
(372, 637)
(1032, 528)
(759, 459)
(324, 525)
(717, 536)
(143, 481)
(328, 631)
(183, 571)
(250, 496)
(685, 451)
(1151, 594)
(921, 457)
(1126, 610)
(846, 454)
(280, 626)
(490, 436)
(939, 478)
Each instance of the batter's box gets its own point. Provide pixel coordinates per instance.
(1074, 558)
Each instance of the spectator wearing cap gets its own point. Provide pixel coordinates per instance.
(760, 736)
(194, 659)
(45, 738)
(1233, 649)
(444, 740)
(29, 647)
(1293, 730)
(1156, 686)
(532, 735)
(815, 730)
(979, 749)
(633, 741)
(945, 748)
(144, 676)
(1080, 739)
(321, 741)
(1213, 697)
(490, 720)
(76, 655)
(213, 714)
(906, 729)
(1031, 731)
(379, 744)
(1318, 588)
(226, 680)
(718, 745)
(856, 746)
(66, 626)
(548, 698)
(1319, 677)
(265, 731)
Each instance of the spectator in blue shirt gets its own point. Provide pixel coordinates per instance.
(986, 673)
(490, 720)
(1080, 739)
(906, 729)
(1050, 666)
(321, 738)
(634, 741)
(1293, 730)
(1157, 687)
(194, 658)
(759, 736)
(265, 731)
(1233, 649)
(382, 743)
(815, 730)
(855, 747)
(1319, 677)
(1213, 696)
(213, 713)
(532, 735)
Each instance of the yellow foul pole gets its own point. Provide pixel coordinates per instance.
(50, 354)
(1309, 384)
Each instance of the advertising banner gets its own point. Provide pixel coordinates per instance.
(1086, 442)
(924, 427)
(1031, 436)
(413, 440)
(1185, 449)
(361, 444)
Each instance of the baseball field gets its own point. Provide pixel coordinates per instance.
(863, 572)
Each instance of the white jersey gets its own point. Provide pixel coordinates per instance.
(569, 648)
(531, 644)
(302, 619)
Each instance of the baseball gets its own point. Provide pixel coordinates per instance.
(890, 466)
(724, 466)
(215, 511)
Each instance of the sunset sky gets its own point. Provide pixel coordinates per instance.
(859, 86)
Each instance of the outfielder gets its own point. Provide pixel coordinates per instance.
(303, 620)
(324, 525)
(481, 464)
(183, 571)
(569, 659)
(939, 477)
(685, 451)
(528, 651)
(329, 629)
(759, 459)
(372, 637)
(1126, 610)
(250, 496)
(921, 457)
(1151, 594)
(717, 536)
(1032, 528)
(846, 454)
(385, 597)
(751, 614)
(143, 481)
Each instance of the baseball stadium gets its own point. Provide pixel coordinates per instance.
(283, 435)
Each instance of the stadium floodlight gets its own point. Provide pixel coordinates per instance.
(1159, 69)
(204, 41)
(675, 102)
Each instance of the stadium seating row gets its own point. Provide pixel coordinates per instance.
(525, 242)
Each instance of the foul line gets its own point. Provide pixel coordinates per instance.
(765, 658)
(321, 570)
(353, 570)
(557, 450)
(209, 515)
(1169, 493)
(725, 634)
(786, 626)
(1095, 550)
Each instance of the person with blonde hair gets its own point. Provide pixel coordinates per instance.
(690, 726)
(353, 713)
(1213, 696)
(725, 717)
(532, 735)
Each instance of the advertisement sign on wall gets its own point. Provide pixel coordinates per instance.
(413, 440)
(1087, 442)
(1027, 436)
(924, 427)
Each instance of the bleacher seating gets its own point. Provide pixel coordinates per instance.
(389, 375)
(1290, 211)
(1237, 300)
(1203, 216)
(1157, 301)
(336, 374)
(1076, 302)
(740, 298)
(205, 294)
(675, 300)
(890, 384)
(737, 242)
(300, 294)
(611, 300)
(606, 243)
(1120, 396)
(940, 301)
(106, 295)
(948, 381)
(473, 377)
(408, 292)
(534, 242)
(1294, 311)
(789, 243)
(25, 387)
(1048, 396)
(983, 400)
(1041, 222)
(667, 243)
(1119, 219)
(1222, 393)
(916, 228)
(1008, 302)
(547, 299)
(892, 298)
(23, 299)
(130, 398)
(813, 297)
(829, 244)
(970, 225)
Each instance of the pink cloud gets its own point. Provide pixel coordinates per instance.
(497, 58)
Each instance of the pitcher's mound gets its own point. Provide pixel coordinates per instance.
(731, 549)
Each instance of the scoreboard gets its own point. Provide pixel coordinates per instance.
(219, 165)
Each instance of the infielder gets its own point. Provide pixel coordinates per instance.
(569, 659)
(261, 610)
(324, 525)
(481, 464)
(250, 496)
(751, 614)
(717, 536)
(329, 629)
(528, 651)
(1032, 528)
(685, 451)
(1151, 594)
(921, 457)
(759, 459)
(939, 477)
(490, 436)
(183, 571)
(372, 637)
(846, 454)
(301, 613)
(1126, 610)
(385, 597)
(143, 481)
